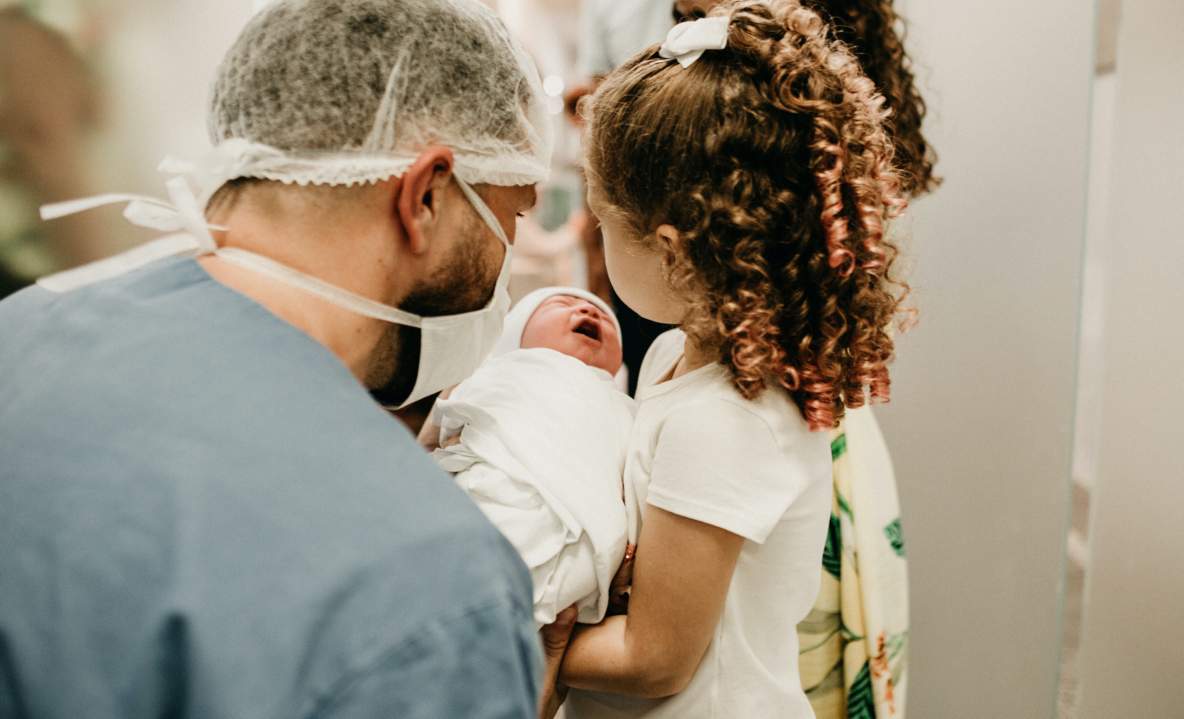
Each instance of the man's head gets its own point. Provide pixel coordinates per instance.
(353, 120)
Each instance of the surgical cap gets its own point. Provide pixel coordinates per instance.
(345, 92)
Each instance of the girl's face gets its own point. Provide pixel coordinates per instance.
(635, 265)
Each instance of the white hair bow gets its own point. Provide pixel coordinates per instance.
(687, 41)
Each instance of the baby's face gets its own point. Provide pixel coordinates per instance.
(577, 328)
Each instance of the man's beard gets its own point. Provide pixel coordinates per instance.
(465, 283)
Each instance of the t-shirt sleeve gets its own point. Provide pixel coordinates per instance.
(718, 462)
(482, 663)
(663, 352)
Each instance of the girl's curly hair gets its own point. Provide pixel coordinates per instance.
(772, 160)
(876, 34)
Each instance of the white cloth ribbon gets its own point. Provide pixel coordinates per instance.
(184, 213)
(687, 41)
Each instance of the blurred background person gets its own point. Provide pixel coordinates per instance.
(612, 31)
(93, 94)
(547, 251)
(48, 114)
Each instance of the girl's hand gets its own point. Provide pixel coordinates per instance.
(618, 592)
(555, 638)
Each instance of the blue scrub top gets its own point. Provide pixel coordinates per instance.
(203, 514)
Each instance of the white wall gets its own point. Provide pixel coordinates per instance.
(1132, 658)
(982, 419)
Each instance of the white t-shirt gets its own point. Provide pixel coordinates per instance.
(700, 450)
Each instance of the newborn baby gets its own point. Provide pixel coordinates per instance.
(537, 437)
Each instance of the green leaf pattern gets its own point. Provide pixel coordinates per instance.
(861, 700)
(888, 653)
(895, 537)
(833, 551)
(838, 447)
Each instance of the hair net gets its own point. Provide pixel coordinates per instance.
(344, 92)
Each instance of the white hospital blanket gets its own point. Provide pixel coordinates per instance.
(542, 451)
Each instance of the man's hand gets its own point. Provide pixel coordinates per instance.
(555, 638)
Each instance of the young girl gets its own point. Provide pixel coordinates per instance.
(746, 167)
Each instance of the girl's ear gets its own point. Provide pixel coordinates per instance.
(671, 248)
(669, 239)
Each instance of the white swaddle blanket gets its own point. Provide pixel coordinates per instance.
(542, 448)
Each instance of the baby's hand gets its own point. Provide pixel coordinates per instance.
(429, 439)
(618, 592)
(429, 434)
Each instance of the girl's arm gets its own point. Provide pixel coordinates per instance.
(680, 579)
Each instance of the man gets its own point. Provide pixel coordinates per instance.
(203, 511)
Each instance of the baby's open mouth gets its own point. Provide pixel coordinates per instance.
(589, 328)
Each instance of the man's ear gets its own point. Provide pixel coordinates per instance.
(417, 199)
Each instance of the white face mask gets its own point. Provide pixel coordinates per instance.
(451, 347)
